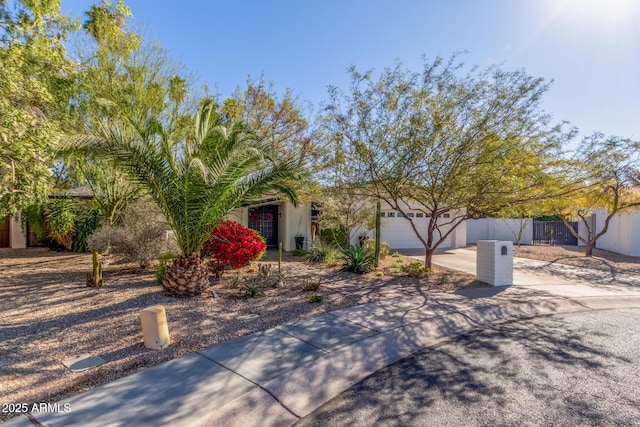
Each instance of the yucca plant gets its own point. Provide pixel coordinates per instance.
(195, 182)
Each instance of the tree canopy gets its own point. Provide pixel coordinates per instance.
(195, 182)
(442, 141)
(35, 81)
(603, 174)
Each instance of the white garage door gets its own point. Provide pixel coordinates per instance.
(399, 234)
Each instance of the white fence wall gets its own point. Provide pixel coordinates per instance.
(623, 235)
(499, 229)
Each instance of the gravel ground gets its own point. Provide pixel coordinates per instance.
(48, 315)
(574, 255)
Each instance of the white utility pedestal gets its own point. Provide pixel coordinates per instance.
(494, 264)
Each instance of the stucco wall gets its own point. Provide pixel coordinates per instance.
(17, 238)
(499, 229)
(623, 235)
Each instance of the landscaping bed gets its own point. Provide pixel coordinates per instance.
(574, 255)
(48, 314)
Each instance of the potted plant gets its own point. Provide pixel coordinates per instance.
(299, 241)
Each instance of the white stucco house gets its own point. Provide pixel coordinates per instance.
(276, 220)
(398, 233)
(280, 221)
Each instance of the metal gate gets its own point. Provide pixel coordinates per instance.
(553, 233)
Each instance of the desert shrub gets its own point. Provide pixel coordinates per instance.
(310, 285)
(161, 269)
(415, 269)
(370, 245)
(252, 287)
(357, 260)
(87, 221)
(234, 245)
(315, 298)
(322, 252)
(271, 277)
(298, 252)
(335, 236)
(60, 218)
(142, 237)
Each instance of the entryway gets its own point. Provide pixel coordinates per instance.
(264, 219)
(5, 240)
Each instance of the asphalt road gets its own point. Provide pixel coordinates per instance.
(567, 370)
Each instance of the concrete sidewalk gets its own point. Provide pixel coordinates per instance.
(275, 377)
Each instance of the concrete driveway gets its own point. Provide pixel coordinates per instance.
(543, 275)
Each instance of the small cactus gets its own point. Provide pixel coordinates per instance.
(94, 279)
(280, 258)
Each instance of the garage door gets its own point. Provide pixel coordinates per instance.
(399, 234)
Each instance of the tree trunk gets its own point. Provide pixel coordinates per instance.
(427, 258)
(588, 249)
(186, 276)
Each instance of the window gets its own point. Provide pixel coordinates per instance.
(419, 215)
(399, 215)
(390, 214)
(409, 214)
(383, 214)
(446, 215)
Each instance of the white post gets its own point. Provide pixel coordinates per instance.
(155, 330)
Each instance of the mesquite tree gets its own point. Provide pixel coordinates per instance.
(605, 175)
(442, 141)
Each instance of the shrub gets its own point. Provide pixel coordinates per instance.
(298, 252)
(315, 298)
(415, 269)
(310, 285)
(60, 219)
(322, 252)
(336, 236)
(370, 245)
(161, 269)
(87, 221)
(234, 245)
(271, 277)
(357, 260)
(142, 237)
(252, 287)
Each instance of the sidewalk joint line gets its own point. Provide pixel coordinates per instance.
(252, 382)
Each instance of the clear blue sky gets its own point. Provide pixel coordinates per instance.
(590, 48)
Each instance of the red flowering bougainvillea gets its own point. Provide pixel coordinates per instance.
(233, 244)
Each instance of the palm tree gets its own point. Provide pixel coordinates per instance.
(195, 182)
